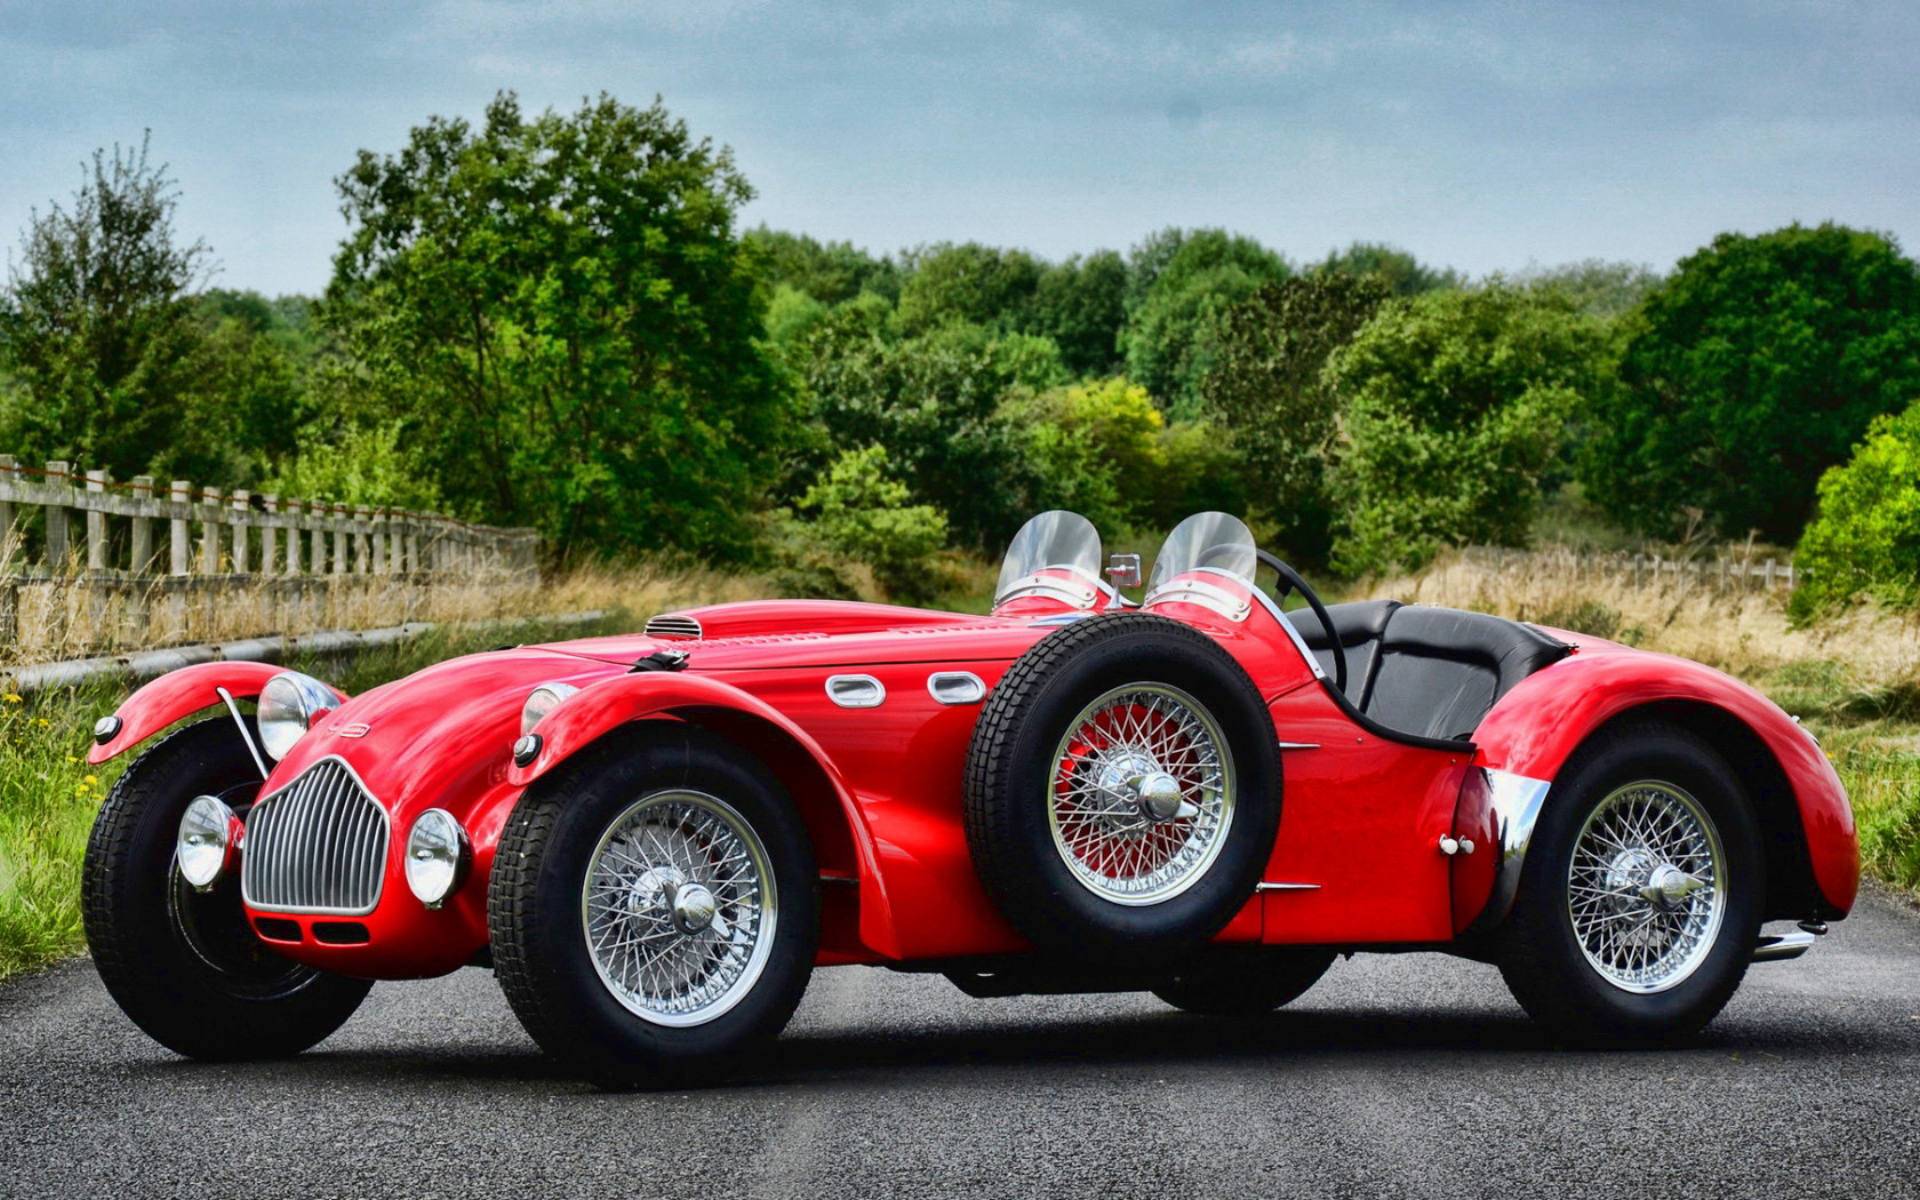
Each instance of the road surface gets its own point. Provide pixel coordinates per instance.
(1409, 1075)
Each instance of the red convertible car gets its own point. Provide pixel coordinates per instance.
(654, 840)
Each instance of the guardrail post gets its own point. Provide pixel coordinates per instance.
(140, 540)
(242, 515)
(96, 524)
(9, 536)
(179, 558)
(60, 486)
(269, 533)
(210, 531)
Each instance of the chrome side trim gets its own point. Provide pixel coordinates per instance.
(1516, 801)
(1299, 745)
(1779, 947)
(856, 691)
(956, 687)
(1286, 887)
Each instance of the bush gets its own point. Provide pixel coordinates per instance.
(860, 512)
(1864, 539)
(1453, 405)
(1091, 447)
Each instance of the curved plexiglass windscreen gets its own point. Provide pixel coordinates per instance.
(1053, 541)
(1211, 541)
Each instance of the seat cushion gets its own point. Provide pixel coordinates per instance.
(1359, 626)
(1441, 669)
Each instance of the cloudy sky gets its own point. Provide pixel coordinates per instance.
(1482, 136)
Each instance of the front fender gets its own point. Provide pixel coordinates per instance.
(1529, 735)
(603, 707)
(179, 694)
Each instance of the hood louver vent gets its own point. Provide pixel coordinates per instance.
(670, 625)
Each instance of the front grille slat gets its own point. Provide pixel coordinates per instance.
(318, 845)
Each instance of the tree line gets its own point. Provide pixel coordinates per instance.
(555, 319)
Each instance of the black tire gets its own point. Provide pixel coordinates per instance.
(1011, 763)
(1541, 955)
(534, 910)
(1250, 983)
(185, 965)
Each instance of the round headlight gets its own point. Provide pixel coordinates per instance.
(289, 705)
(203, 847)
(437, 856)
(541, 701)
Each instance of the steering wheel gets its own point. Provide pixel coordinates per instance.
(1290, 581)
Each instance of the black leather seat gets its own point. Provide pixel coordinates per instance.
(1431, 672)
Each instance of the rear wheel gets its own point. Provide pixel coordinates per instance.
(184, 964)
(1640, 902)
(1245, 983)
(653, 910)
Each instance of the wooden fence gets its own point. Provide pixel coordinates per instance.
(1721, 572)
(153, 547)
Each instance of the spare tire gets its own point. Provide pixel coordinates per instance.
(1123, 789)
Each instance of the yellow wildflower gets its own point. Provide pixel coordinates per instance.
(13, 698)
(92, 779)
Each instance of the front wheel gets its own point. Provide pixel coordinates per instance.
(1641, 897)
(183, 964)
(653, 910)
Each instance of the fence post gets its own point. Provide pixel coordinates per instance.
(379, 520)
(339, 539)
(269, 533)
(180, 491)
(317, 537)
(362, 541)
(292, 510)
(59, 484)
(1766, 578)
(140, 541)
(7, 534)
(210, 531)
(96, 524)
(242, 542)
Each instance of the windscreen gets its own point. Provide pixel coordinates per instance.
(1212, 541)
(1057, 540)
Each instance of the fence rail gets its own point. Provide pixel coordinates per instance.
(148, 551)
(1722, 572)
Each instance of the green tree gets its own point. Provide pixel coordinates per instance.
(1597, 287)
(98, 329)
(1092, 447)
(859, 511)
(559, 311)
(830, 272)
(1756, 366)
(1267, 388)
(1081, 304)
(1398, 271)
(1452, 408)
(1181, 281)
(1864, 539)
(968, 283)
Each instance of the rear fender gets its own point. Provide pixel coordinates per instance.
(179, 694)
(600, 709)
(1531, 733)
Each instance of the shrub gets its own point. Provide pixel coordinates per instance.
(860, 512)
(1865, 537)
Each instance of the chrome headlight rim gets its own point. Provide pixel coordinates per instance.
(288, 706)
(438, 857)
(541, 701)
(205, 842)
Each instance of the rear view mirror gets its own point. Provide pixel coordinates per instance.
(1124, 570)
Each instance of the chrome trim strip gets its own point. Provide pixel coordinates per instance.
(226, 698)
(1299, 745)
(323, 838)
(856, 691)
(1286, 887)
(1779, 947)
(956, 687)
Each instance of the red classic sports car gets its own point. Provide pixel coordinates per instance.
(654, 840)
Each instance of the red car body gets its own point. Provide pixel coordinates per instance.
(1361, 858)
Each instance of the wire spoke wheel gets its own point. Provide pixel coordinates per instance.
(1647, 886)
(1141, 795)
(679, 907)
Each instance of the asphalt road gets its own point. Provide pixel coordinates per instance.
(1408, 1075)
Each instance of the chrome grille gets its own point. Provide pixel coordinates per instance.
(672, 625)
(318, 845)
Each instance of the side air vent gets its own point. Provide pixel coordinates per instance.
(673, 625)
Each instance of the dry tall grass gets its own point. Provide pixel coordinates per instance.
(60, 619)
(1741, 631)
